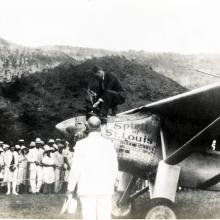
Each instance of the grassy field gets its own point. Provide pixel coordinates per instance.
(192, 204)
(199, 204)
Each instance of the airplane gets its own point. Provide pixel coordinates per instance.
(168, 143)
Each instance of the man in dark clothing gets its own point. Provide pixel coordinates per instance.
(110, 93)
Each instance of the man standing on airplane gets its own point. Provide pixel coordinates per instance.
(94, 169)
(110, 93)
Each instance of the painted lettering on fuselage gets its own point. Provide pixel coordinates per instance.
(135, 140)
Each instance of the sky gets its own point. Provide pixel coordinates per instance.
(181, 26)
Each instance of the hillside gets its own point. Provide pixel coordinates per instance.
(79, 53)
(31, 105)
(181, 68)
(16, 60)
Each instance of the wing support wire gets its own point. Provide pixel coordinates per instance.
(210, 182)
(126, 195)
(163, 144)
(186, 149)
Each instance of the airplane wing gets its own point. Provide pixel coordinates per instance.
(184, 115)
(200, 106)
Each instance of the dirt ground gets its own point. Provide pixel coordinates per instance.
(192, 204)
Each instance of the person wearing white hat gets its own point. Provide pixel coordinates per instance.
(11, 169)
(94, 171)
(17, 148)
(38, 141)
(48, 169)
(68, 154)
(51, 141)
(40, 152)
(34, 158)
(52, 144)
(6, 147)
(21, 143)
(58, 141)
(59, 161)
(22, 170)
(65, 152)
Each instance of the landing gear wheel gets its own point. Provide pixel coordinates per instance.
(160, 208)
(120, 211)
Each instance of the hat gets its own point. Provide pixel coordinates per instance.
(32, 144)
(38, 141)
(5, 146)
(23, 147)
(51, 141)
(1, 142)
(17, 146)
(58, 140)
(47, 148)
(21, 140)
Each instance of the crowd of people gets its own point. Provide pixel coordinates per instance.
(38, 167)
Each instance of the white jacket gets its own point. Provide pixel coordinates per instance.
(8, 158)
(58, 159)
(35, 155)
(94, 167)
(32, 155)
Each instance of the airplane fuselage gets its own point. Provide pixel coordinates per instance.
(138, 145)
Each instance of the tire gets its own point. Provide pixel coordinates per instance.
(161, 208)
(124, 211)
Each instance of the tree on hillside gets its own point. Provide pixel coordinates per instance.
(36, 103)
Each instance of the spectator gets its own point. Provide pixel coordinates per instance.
(48, 170)
(94, 169)
(22, 170)
(11, 169)
(59, 161)
(35, 169)
(51, 143)
(17, 148)
(39, 152)
(68, 159)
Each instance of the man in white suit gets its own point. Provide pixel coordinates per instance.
(34, 158)
(94, 169)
